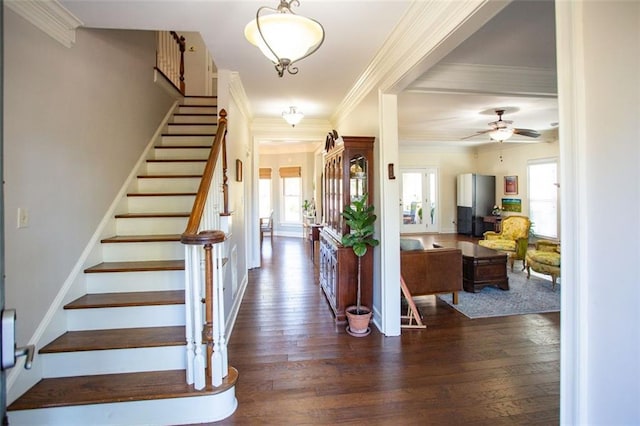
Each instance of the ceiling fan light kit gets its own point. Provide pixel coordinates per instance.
(501, 130)
(284, 37)
(501, 134)
(293, 116)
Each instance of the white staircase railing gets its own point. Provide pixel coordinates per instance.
(170, 49)
(204, 263)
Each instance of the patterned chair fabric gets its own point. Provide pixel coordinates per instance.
(513, 238)
(545, 259)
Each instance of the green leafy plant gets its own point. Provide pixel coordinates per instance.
(360, 219)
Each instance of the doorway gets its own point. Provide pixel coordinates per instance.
(419, 200)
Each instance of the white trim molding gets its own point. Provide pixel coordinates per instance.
(50, 17)
(487, 79)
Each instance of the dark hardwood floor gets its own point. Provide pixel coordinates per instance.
(297, 367)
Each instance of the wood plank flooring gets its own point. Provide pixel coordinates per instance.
(296, 366)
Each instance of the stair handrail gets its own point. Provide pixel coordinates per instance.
(170, 48)
(218, 147)
(206, 287)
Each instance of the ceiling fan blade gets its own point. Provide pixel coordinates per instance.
(477, 134)
(527, 132)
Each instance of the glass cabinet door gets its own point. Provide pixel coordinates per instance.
(358, 175)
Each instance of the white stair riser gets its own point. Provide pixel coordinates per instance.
(196, 119)
(125, 317)
(122, 282)
(169, 185)
(182, 153)
(161, 204)
(189, 410)
(191, 140)
(185, 109)
(176, 168)
(192, 129)
(200, 100)
(113, 361)
(151, 226)
(130, 252)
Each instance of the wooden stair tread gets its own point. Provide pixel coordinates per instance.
(185, 146)
(139, 266)
(117, 338)
(136, 298)
(188, 134)
(169, 176)
(173, 160)
(193, 124)
(160, 194)
(148, 215)
(197, 114)
(110, 388)
(142, 238)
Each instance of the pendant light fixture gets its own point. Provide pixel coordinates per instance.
(293, 116)
(284, 37)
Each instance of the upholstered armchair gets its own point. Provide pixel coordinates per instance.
(544, 259)
(512, 239)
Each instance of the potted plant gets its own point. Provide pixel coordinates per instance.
(360, 219)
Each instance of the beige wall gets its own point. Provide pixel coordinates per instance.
(195, 64)
(515, 158)
(75, 122)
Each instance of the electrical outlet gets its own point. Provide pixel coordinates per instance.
(23, 217)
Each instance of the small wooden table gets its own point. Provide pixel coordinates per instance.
(314, 235)
(481, 266)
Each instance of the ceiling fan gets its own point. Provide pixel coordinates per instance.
(501, 130)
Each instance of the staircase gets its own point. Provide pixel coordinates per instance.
(122, 359)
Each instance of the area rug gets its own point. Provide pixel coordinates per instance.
(525, 296)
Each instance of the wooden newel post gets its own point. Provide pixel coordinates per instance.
(207, 239)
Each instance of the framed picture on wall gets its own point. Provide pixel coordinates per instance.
(511, 185)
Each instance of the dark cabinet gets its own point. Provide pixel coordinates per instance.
(348, 165)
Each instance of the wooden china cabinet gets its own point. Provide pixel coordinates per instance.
(348, 168)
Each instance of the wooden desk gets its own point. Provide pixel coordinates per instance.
(496, 222)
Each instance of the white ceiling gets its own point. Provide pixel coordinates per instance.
(444, 105)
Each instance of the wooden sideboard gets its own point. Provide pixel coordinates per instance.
(348, 165)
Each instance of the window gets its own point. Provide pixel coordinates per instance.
(543, 197)
(264, 192)
(291, 194)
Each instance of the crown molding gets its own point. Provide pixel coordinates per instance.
(50, 17)
(425, 30)
(487, 79)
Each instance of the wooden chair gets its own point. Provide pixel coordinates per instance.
(266, 225)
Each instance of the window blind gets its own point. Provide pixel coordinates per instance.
(289, 172)
(265, 172)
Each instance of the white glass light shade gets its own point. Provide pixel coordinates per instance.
(292, 116)
(290, 36)
(501, 134)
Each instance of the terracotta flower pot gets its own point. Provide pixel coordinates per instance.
(358, 323)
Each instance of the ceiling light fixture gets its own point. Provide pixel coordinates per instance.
(501, 134)
(293, 116)
(284, 37)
